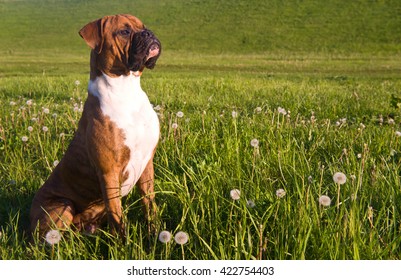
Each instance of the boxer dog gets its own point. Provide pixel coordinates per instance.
(113, 147)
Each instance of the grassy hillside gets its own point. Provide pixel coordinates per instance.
(213, 26)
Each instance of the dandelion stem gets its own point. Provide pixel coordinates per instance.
(260, 242)
(338, 195)
(183, 253)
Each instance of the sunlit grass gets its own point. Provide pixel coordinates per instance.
(306, 131)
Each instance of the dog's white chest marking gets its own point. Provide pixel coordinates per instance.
(123, 100)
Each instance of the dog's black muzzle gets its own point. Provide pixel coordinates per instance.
(145, 50)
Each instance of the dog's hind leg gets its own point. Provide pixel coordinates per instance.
(51, 215)
(91, 218)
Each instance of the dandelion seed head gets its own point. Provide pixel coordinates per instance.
(391, 121)
(46, 110)
(235, 194)
(77, 82)
(29, 102)
(398, 133)
(255, 143)
(258, 109)
(24, 138)
(53, 237)
(180, 114)
(339, 178)
(280, 193)
(234, 114)
(250, 203)
(164, 236)
(174, 126)
(282, 111)
(13, 103)
(45, 129)
(181, 238)
(324, 200)
(30, 128)
(55, 163)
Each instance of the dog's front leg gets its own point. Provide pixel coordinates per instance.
(146, 187)
(112, 200)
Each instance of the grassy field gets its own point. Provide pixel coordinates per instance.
(312, 81)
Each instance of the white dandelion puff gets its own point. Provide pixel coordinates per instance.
(181, 238)
(398, 133)
(234, 114)
(280, 193)
(53, 237)
(45, 129)
(324, 200)
(255, 143)
(12, 103)
(180, 114)
(250, 203)
(282, 111)
(235, 194)
(174, 126)
(55, 163)
(29, 102)
(46, 110)
(339, 178)
(77, 82)
(30, 128)
(24, 138)
(258, 109)
(164, 236)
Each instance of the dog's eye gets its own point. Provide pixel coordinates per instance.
(124, 32)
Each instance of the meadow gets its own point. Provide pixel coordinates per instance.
(260, 104)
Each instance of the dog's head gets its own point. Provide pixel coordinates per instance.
(121, 44)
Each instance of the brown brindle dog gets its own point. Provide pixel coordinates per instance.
(113, 148)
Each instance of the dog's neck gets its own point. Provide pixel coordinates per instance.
(99, 66)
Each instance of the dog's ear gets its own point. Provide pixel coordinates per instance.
(92, 33)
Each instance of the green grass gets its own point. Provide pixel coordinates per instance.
(334, 78)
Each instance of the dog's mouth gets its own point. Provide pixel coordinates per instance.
(144, 52)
